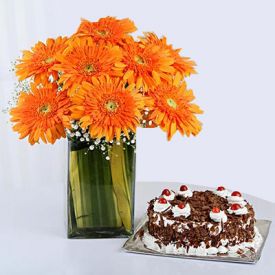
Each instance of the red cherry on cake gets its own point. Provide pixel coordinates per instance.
(181, 205)
(216, 210)
(220, 188)
(235, 206)
(166, 192)
(162, 200)
(183, 188)
(236, 194)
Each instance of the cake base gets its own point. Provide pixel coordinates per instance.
(135, 245)
(151, 243)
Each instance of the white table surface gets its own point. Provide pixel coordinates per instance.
(33, 239)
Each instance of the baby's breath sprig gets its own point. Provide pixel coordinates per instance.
(13, 65)
(19, 86)
(145, 122)
(82, 137)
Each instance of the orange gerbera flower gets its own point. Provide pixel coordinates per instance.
(146, 66)
(107, 108)
(84, 59)
(173, 110)
(108, 29)
(184, 65)
(40, 114)
(39, 61)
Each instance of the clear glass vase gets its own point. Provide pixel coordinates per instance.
(101, 191)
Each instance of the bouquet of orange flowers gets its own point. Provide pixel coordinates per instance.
(104, 83)
(96, 87)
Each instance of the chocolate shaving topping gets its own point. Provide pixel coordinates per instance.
(198, 227)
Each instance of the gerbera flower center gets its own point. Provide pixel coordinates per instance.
(111, 106)
(102, 32)
(44, 109)
(139, 60)
(89, 68)
(171, 102)
(49, 60)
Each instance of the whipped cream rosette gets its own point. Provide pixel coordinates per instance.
(217, 215)
(161, 205)
(221, 191)
(168, 194)
(236, 197)
(181, 210)
(237, 209)
(185, 191)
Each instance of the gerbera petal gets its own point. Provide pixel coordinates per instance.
(177, 79)
(108, 29)
(109, 108)
(85, 61)
(128, 74)
(147, 62)
(172, 110)
(40, 60)
(184, 65)
(156, 77)
(39, 113)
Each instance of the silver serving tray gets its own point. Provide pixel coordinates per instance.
(135, 245)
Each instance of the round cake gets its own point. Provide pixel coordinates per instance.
(200, 223)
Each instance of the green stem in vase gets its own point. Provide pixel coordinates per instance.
(100, 191)
(121, 185)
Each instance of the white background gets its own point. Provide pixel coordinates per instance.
(233, 45)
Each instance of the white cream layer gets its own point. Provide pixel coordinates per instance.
(214, 229)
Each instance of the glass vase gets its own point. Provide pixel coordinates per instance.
(101, 191)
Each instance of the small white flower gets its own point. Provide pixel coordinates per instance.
(75, 126)
(111, 141)
(72, 135)
(133, 141)
(87, 139)
(92, 147)
(77, 134)
(51, 79)
(146, 113)
(124, 139)
(107, 158)
(82, 139)
(102, 147)
(97, 141)
(150, 122)
(144, 121)
(86, 135)
(118, 143)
